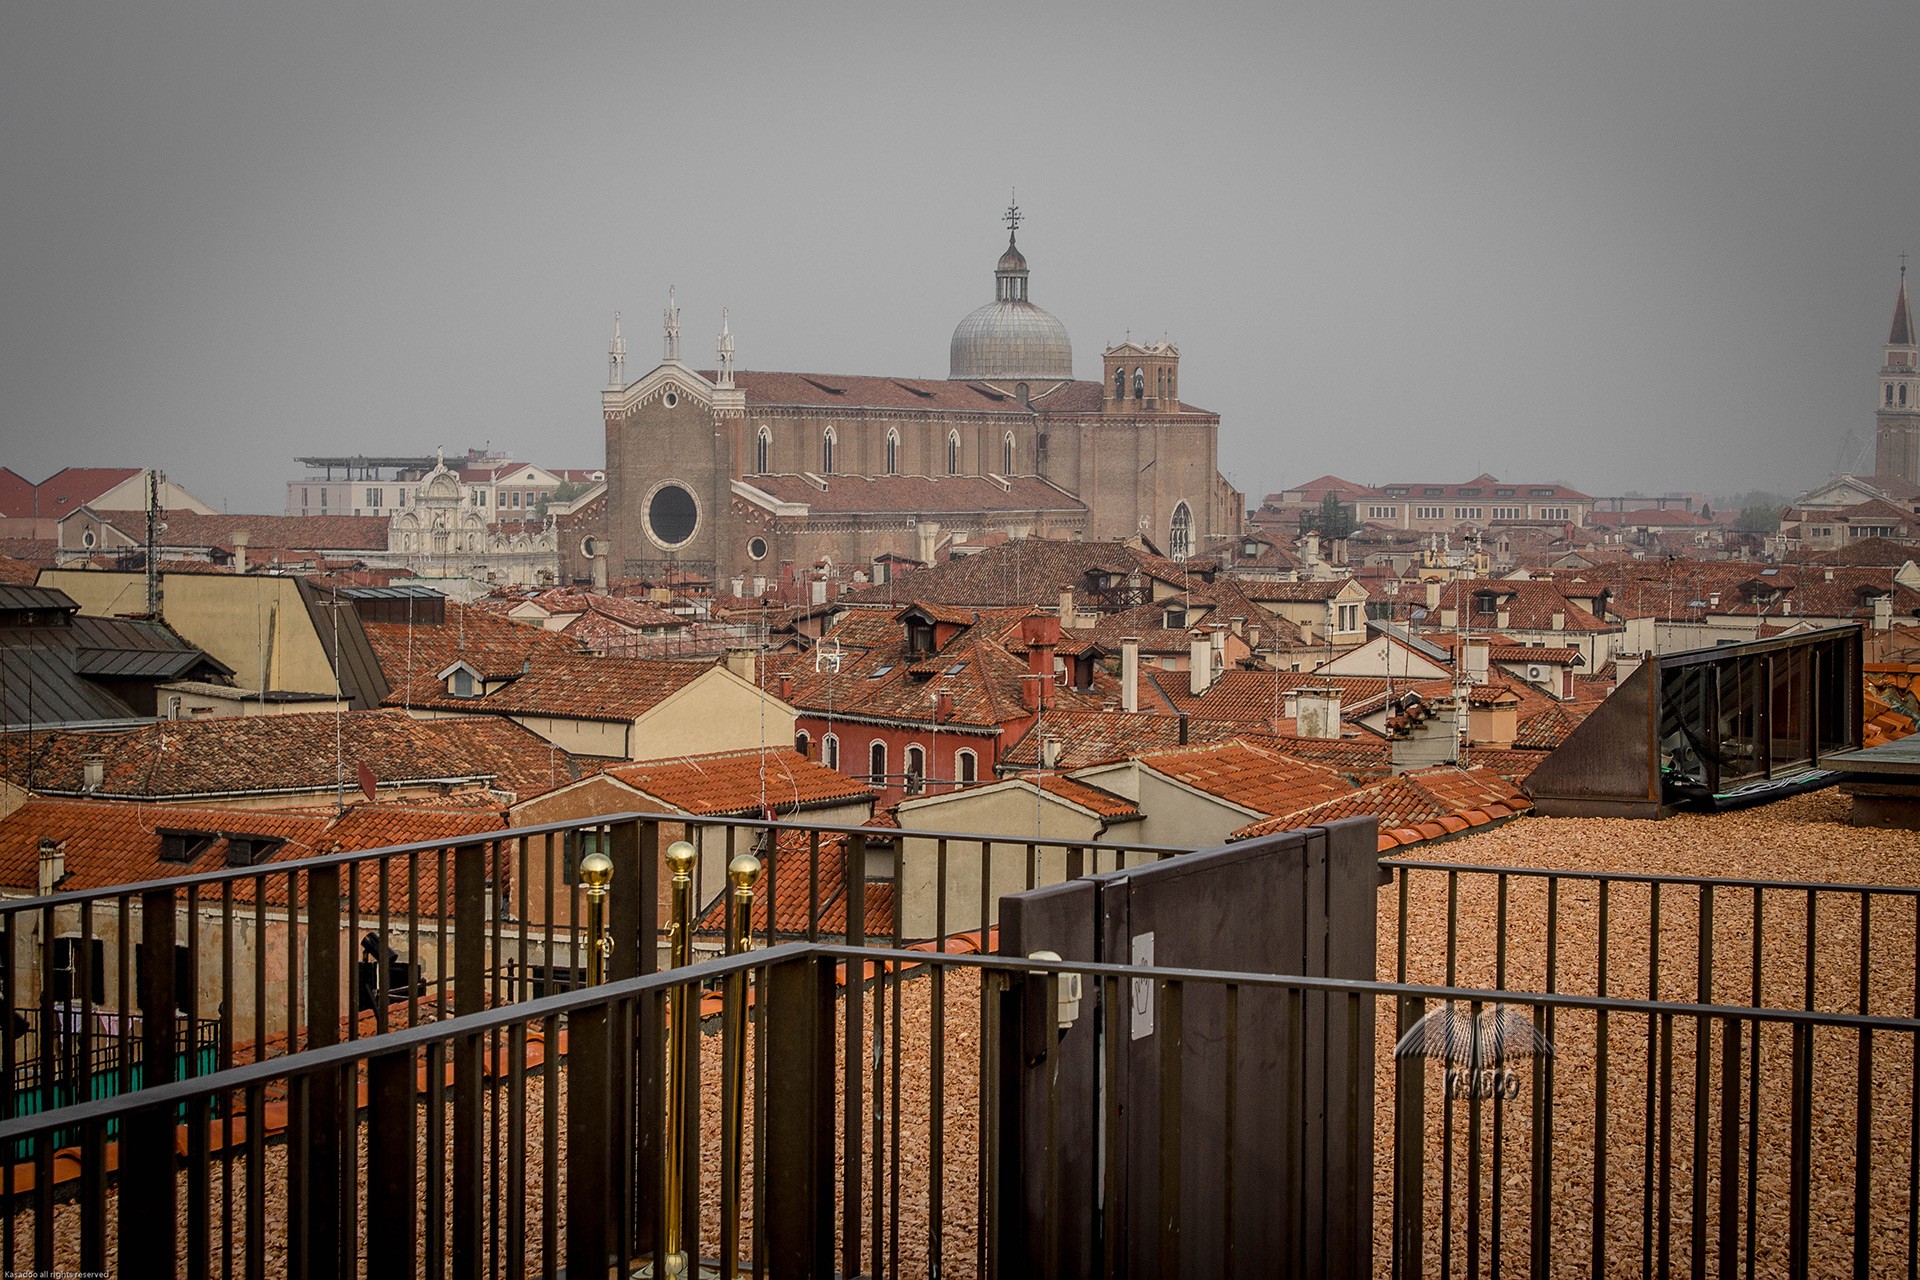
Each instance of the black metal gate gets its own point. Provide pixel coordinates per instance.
(1234, 1126)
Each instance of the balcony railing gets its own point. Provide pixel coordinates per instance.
(877, 1138)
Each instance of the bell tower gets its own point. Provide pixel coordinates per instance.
(1896, 422)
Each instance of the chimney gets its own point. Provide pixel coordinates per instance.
(1238, 625)
(927, 533)
(1433, 596)
(942, 707)
(786, 686)
(53, 865)
(1317, 712)
(1882, 613)
(1310, 548)
(817, 588)
(1430, 740)
(759, 585)
(1503, 618)
(240, 540)
(1559, 619)
(739, 585)
(740, 661)
(1049, 751)
(1199, 663)
(1183, 728)
(1253, 637)
(1068, 617)
(1218, 633)
(1130, 673)
(1041, 633)
(1476, 661)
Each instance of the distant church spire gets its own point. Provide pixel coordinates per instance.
(617, 357)
(725, 367)
(1902, 333)
(1896, 421)
(672, 326)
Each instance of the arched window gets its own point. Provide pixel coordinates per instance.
(916, 770)
(965, 767)
(1903, 395)
(1139, 384)
(1173, 385)
(763, 452)
(893, 452)
(802, 743)
(1022, 393)
(953, 453)
(1180, 534)
(830, 751)
(1119, 384)
(1889, 393)
(1160, 383)
(1006, 454)
(826, 452)
(877, 762)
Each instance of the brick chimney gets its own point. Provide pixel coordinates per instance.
(1040, 633)
(1130, 673)
(942, 707)
(786, 686)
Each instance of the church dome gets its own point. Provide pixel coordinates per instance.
(1010, 338)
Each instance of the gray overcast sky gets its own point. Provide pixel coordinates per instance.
(1628, 245)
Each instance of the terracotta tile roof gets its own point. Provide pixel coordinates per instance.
(16, 495)
(271, 533)
(1296, 592)
(1456, 800)
(17, 573)
(1882, 553)
(495, 646)
(111, 844)
(889, 495)
(1259, 697)
(1089, 736)
(289, 754)
(576, 686)
(73, 487)
(1550, 726)
(1529, 604)
(735, 783)
(846, 391)
(1254, 776)
(1112, 807)
(1559, 655)
(1514, 765)
(1482, 488)
(1025, 571)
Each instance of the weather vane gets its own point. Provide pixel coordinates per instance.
(1012, 218)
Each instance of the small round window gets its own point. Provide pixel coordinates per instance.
(757, 548)
(672, 514)
(671, 399)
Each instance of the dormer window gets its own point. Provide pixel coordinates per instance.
(251, 851)
(919, 637)
(1176, 619)
(461, 686)
(184, 846)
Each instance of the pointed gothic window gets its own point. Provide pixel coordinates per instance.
(1006, 455)
(1180, 534)
(826, 453)
(953, 453)
(1119, 384)
(893, 452)
(763, 452)
(1889, 395)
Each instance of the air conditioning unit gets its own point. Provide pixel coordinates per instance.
(1534, 673)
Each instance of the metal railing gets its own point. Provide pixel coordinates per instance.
(1712, 1139)
(275, 954)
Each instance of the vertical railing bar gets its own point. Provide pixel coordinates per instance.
(550, 1090)
(1666, 1146)
(353, 937)
(1702, 1086)
(436, 1189)
(413, 937)
(1169, 1032)
(256, 1174)
(893, 1064)
(813, 886)
(1800, 1144)
(1729, 1235)
(516, 1243)
(937, 1109)
(1228, 1097)
(1499, 1099)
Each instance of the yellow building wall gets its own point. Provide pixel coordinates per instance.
(717, 712)
(1010, 813)
(251, 623)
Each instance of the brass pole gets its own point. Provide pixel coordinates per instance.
(680, 860)
(596, 872)
(743, 872)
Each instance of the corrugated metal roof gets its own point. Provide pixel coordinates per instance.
(40, 686)
(390, 593)
(12, 597)
(357, 670)
(136, 664)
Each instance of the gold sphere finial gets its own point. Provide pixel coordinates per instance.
(744, 871)
(596, 871)
(680, 858)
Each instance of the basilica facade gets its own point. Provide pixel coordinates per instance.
(729, 472)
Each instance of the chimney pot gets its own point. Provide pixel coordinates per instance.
(1130, 673)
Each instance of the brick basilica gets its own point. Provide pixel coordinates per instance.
(729, 472)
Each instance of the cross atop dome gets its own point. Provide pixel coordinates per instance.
(1012, 218)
